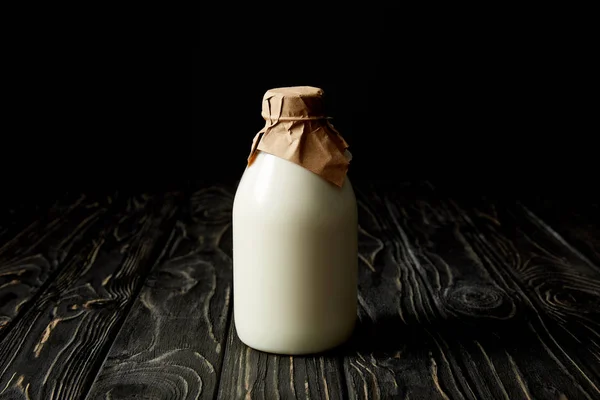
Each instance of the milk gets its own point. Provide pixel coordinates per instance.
(294, 258)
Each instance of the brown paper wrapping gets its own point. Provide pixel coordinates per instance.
(298, 130)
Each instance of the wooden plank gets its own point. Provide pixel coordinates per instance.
(171, 345)
(392, 352)
(31, 224)
(453, 304)
(574, 222)
(56, 348)
(16, 215)
(561, 286)
(32, 254)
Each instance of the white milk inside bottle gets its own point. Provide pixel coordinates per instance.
(295, 231)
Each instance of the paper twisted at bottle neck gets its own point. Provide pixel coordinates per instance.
(311, 143)
(297, 129)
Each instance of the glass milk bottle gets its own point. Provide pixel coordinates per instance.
(295, 229)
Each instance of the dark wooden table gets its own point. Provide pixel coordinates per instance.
(130, 296)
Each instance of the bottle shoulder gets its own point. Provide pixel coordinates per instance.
(277, 186)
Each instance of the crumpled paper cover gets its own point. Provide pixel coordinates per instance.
(298, 130)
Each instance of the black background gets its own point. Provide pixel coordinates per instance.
(503, 108)
(507, 107)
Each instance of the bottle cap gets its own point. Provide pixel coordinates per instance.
(297, 129)
(293, 104)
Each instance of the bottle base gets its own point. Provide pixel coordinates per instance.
(297, 346)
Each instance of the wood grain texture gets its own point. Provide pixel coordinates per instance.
(477, 298)
(469, 302)
(576, 223)
(16, 215)
(38, 245)
(55, 349)
(172, 344)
